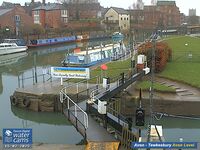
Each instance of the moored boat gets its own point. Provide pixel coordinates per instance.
(10, 46)
(51, 41)
(96, 55)
(117, 35)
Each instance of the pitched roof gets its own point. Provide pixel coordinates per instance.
(120, 10)
(4, 11)
(50, 6)
(165, 2)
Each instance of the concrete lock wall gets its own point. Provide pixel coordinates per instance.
(44, 102)
(172, 107)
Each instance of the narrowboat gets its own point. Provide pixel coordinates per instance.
(96, 55)
(51, 41)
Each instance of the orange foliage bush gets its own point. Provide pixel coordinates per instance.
(163, 54)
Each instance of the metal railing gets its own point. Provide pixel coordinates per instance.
(34, 75)
(73, 108)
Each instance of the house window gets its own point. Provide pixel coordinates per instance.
(127, 18)
(17, 18)
(121, 18)
(65, 19)
(36, 13)
(124, 18)
(36, 19)
(63, 12)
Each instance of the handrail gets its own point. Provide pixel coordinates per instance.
(76, 107)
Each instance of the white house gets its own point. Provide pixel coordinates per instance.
(117, 18)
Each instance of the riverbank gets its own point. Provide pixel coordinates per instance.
(185, 101)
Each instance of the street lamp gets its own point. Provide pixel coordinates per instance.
(7, 32)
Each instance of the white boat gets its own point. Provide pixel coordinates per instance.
(10, 46)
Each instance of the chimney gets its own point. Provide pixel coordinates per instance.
(43, 2)
(32, 1)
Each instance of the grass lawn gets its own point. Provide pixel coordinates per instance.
(115, 68)
(145, 85)
(185, 64)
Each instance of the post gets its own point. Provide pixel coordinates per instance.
(35, 68)
(22, 80)
(18, 81)
(61, 80)
(33, 76)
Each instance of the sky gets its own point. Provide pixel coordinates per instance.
(184, 5)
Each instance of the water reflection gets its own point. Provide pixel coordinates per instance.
(42, 117)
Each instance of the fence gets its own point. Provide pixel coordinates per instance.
(75, 113)
(34, 75)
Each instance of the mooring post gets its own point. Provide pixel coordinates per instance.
(140, 101)
(62, 109)
(18, 81)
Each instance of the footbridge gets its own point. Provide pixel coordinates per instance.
(86, 114)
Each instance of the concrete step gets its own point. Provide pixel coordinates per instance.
(187, 94)
(170, 85)
(181, 90)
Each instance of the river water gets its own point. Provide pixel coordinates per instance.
(54, 127)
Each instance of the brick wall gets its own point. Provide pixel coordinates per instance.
(8, 18)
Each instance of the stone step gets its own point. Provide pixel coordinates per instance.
(170, 85)
(177, 88)
(187, 94)
(181, 90)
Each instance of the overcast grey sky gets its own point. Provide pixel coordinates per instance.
(184, 5)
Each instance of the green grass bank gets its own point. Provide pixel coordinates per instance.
(185, 64)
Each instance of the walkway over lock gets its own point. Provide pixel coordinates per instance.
(85, 124)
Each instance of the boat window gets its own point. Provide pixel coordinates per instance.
(1, 45)
(7, 45)
(81, 57)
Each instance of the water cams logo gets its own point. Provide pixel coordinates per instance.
(17, 138)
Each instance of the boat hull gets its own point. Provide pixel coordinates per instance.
(10, 50)
(96, 55)
(52, 41)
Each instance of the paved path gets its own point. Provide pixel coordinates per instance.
(53, 87)
(95, 132)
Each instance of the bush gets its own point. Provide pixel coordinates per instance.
(163, 54)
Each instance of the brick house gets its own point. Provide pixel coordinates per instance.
(83, 11)
(15, 18)
(171, 13)
(117, 19)
(50, 15)
(163, 15)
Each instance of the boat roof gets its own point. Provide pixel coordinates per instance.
(11, 39)
(97, 49)
(7, 43)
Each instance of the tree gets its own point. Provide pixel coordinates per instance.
(26, 31)
(38, 30)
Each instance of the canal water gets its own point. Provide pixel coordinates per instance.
(54, 127)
